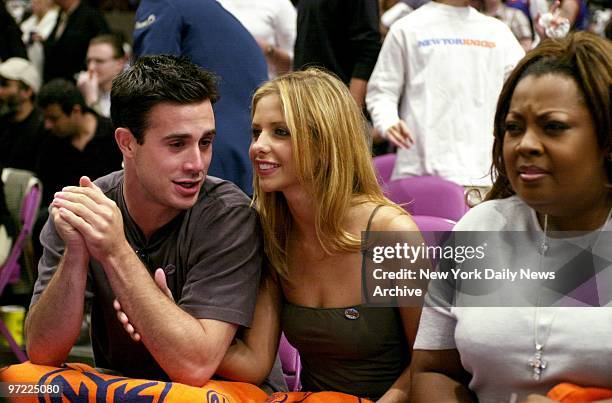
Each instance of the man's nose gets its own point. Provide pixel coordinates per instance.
(195, 160)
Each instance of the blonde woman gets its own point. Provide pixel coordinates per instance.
(316, 191)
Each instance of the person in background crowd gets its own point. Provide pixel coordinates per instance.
(37, 28)
(66, 46)
(106, 58)
(10, 36)
(21, 122)
(272, 23)
(341, 36)
(434, 89)
(81, 141)
(515, 20)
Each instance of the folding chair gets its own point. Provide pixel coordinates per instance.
(21, 189)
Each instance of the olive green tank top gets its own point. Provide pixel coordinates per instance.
(358, 350)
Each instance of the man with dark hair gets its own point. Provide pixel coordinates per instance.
(81, 142)
(106, 58)
(159, 218)
(21, 122)
(213, 39)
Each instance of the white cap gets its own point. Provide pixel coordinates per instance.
(22, 70)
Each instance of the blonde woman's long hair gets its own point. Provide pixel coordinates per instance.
(331, 153)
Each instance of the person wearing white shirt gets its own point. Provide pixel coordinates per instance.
(37, 28)
(273, 25)
(434, 89)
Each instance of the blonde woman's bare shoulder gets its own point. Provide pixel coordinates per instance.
(389, 218)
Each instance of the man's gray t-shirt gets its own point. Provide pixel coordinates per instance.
(211, 254)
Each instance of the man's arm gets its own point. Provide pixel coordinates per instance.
(189, 350)
(364, 37)
(54, 321)
(385, 89)
(251, 357)
(357, 87)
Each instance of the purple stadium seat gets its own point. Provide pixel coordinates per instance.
(290, 360)
(429, 195)
(384, 167)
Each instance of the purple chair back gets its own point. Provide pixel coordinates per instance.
(384, 167)
(290, 360)
(10, 271)
(429, 195)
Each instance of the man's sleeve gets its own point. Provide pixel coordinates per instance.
(364, 37)
(387, 82)
(157, 29)
(223, 278)
(285, 26)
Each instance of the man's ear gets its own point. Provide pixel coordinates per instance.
(126, 141)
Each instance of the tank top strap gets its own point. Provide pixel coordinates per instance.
(364, 245)
(364, 248)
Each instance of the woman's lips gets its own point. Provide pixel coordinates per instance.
(530, 173)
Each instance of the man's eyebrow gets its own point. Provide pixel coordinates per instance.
(177, 136)
(184, 136)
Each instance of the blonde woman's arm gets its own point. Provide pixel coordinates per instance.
(251, 357)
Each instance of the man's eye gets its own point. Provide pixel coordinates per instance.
(205, 142)
(176, 144)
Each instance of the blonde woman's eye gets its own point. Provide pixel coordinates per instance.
(255, 132)
(282, 132)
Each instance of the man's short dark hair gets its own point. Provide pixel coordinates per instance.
(153, 80)
(115, 40)
(61, 92)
